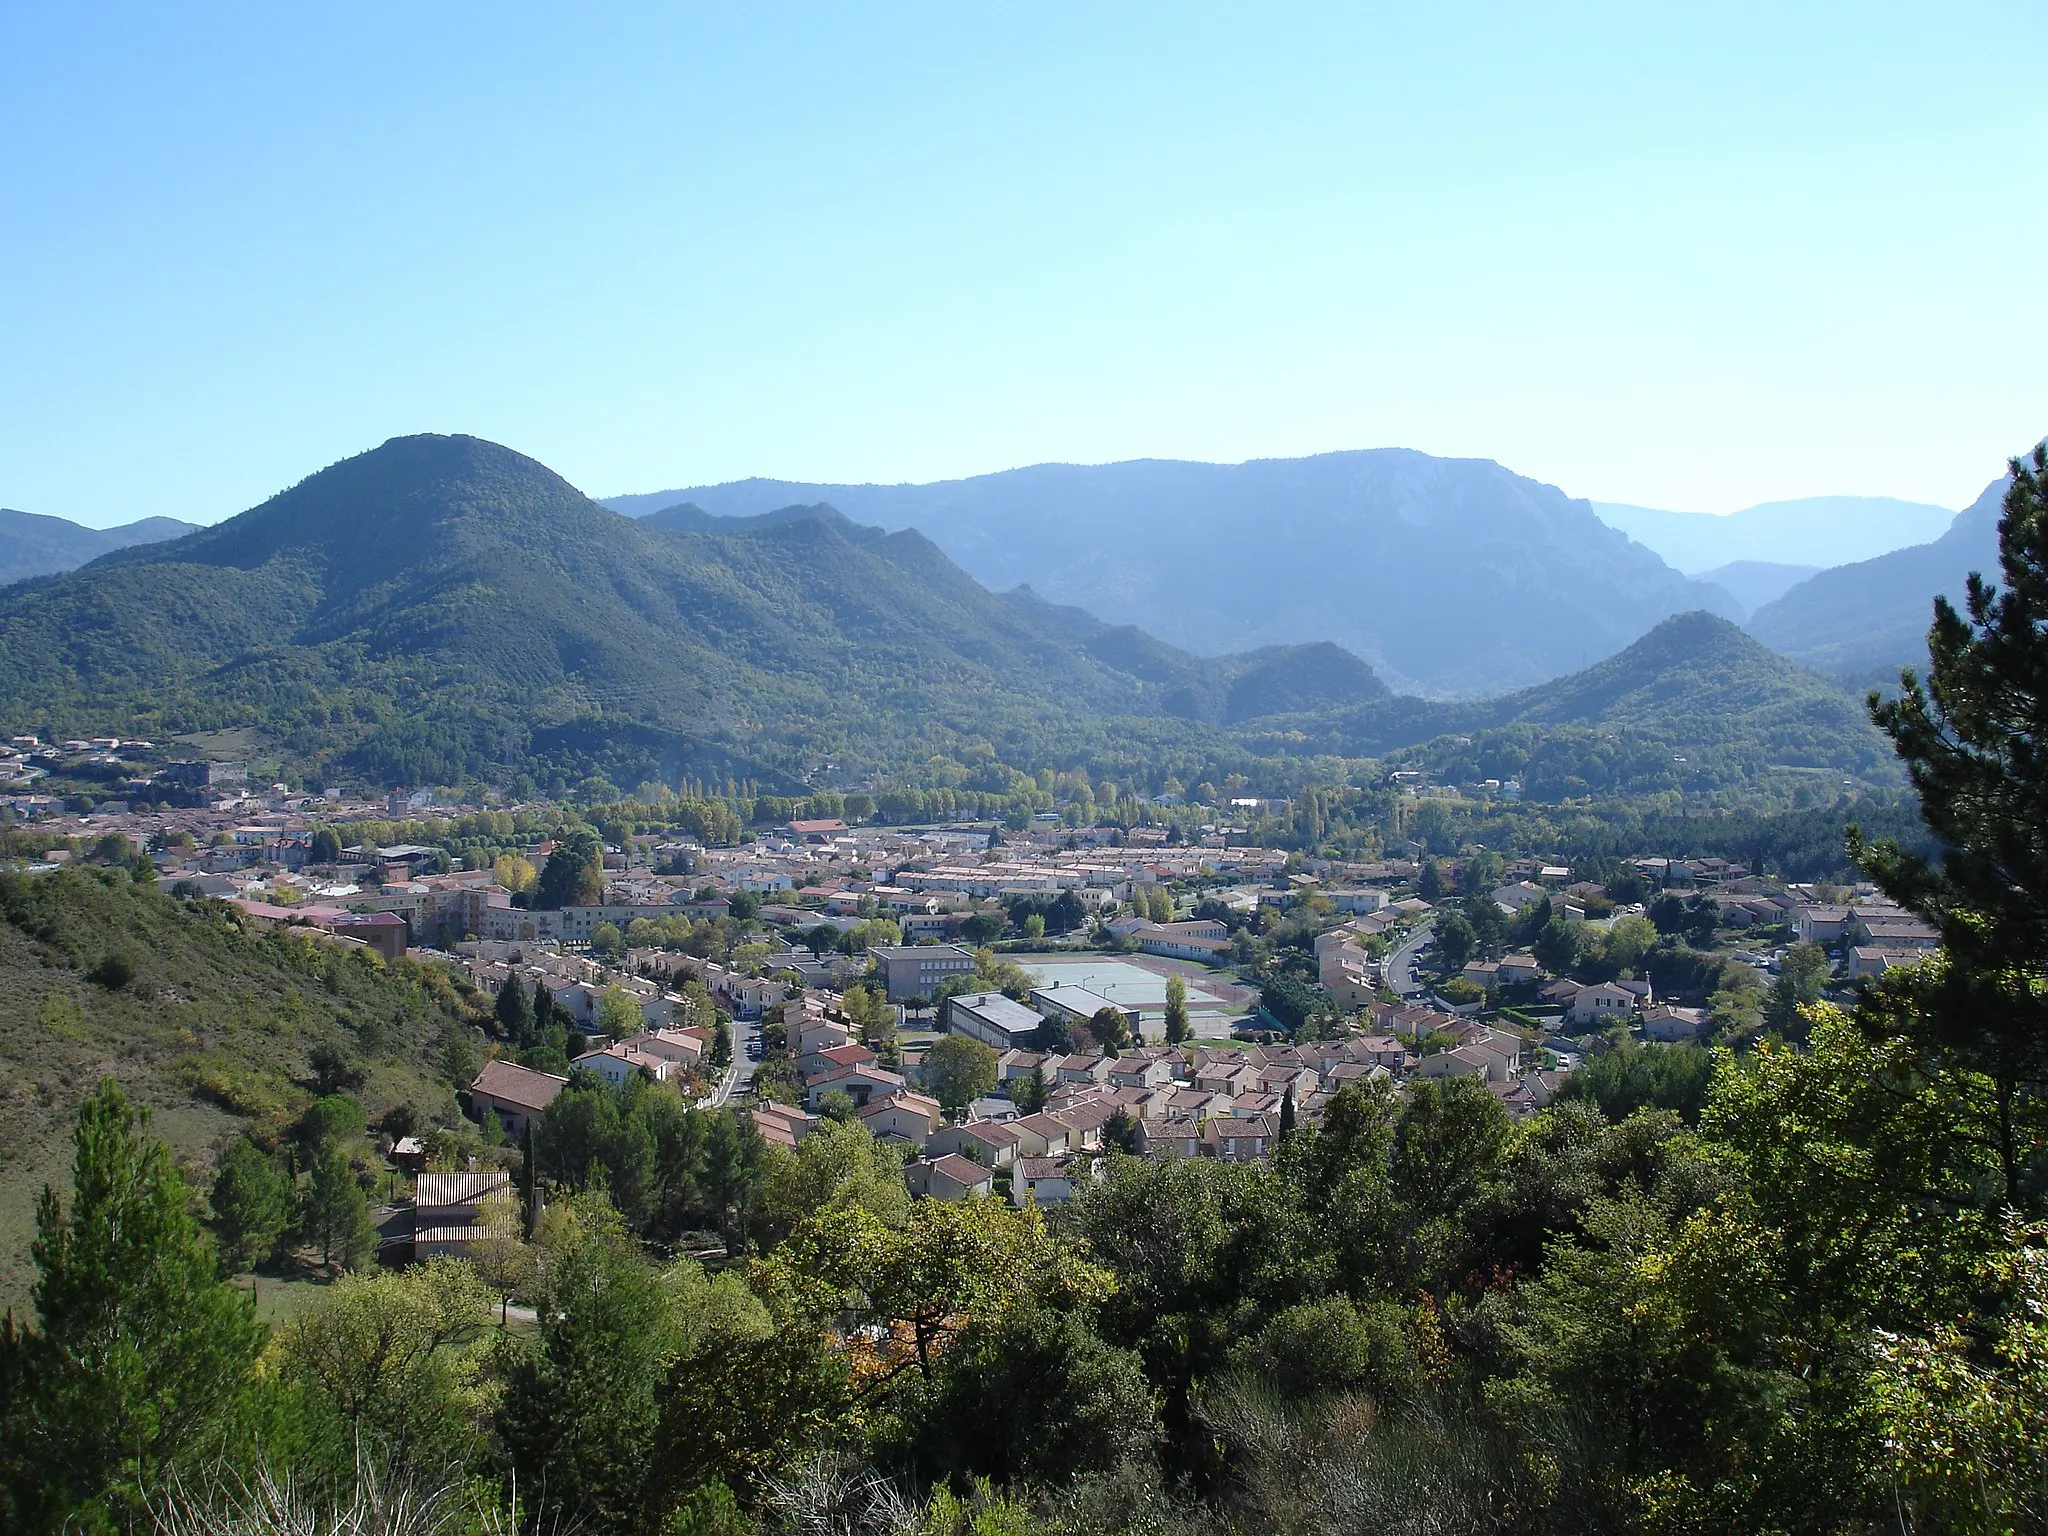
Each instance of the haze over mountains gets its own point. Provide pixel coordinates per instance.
(1449, 576)
(32, 544)
(1816, 531)
(1866, 620)
(443, 609)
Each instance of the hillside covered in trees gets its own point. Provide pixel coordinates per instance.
(443, 610)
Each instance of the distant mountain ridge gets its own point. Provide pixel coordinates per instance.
(1448, 576)
(1753, 583)
(1871, 617)
(1817, 531)
(34, 544)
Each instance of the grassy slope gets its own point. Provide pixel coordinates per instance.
(212, 1033)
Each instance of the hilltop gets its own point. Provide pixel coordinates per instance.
(1447, 576)
(443, 609)
(1696, 705)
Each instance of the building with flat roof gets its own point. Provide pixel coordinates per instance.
(1077, 1005)
(993, 1019)
(919, 970)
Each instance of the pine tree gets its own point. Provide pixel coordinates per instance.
(1974, 740)
(252, 1204)
(141, 1352)
(335, 1214)
(1176, 1010)
(546, 1017)
(574, 873)
(512, 1011)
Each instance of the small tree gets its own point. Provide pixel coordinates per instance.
(1112, 1031)
(514, 873)
(252, 1204)
(606, 939)
(958, 1071)
(618, 1013)
(1030, 1093)
(1456, 941)
(334, 1069)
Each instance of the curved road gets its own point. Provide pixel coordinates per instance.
(1401, 963)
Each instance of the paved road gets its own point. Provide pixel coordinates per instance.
(1401, 963)
(740, 1073)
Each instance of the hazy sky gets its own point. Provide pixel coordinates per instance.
(1689, 256)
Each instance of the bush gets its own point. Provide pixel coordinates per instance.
(114, 971)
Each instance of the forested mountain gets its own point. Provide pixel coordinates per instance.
(1448, 576)
(34, 545)
(1872, 617)
(1695, 705)
(442, 608)
(1815, 530)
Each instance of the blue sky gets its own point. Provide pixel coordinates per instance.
(1688, 256)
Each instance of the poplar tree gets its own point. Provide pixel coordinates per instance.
(1176, 1010)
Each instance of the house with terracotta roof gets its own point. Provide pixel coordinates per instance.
(1238, 1138)
(781, 1125)
(832, 1058)
(862, 1084)
(990, 1143)
(904, 1116)
(1041, 1135)
(516, 1095)
(949, 1177)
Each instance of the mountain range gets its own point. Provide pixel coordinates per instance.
(32, 544)
(443, 609)
(1448, 576)
(1816, 531)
